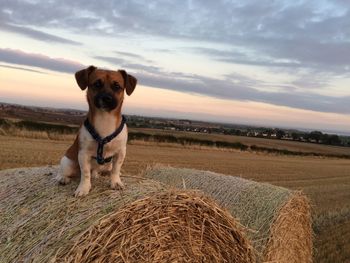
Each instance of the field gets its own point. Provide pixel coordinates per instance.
(268, 143)
(325, 180)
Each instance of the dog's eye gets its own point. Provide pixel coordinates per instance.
(98, 84)
(115, 86)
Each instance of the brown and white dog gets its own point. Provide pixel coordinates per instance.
(105, 95)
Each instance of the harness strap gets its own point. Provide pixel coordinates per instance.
(102, 141)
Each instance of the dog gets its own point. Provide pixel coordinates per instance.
(100, 144)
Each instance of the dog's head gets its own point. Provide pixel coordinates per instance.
(105, 87)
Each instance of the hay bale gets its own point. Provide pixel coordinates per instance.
(291, 235)
(279, 219)
(42, 222)
(171, 226)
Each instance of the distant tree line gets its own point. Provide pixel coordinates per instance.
(317, 137)
(314, 136)
(186, 125)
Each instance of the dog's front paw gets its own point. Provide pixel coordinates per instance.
(82, 190)
(117, 185)
(62, 179)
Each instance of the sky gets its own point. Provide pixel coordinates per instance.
(268, 63)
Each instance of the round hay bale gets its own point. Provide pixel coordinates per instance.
(172, 226)
(41, 221)
(279, 219)
(38, 217)
(291, 235)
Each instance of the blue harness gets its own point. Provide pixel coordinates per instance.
(102, 141)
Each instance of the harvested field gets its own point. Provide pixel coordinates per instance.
(25, 152)
(332, 243)
(324, 180)
(268, 143)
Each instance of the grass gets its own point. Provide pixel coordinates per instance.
(185, 140)
(324, 180)
(26, 152)
(333, 244)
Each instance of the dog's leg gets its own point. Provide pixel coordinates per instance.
(68, 168)
(85, 177)
(115, 173)
(94, 173)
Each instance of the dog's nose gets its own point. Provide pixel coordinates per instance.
(107, 99)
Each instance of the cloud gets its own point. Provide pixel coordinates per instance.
(243, 90)
(129, 55)
(36, 34)
(308, 34)
(112, 60)
(234, 87)
(21, 68)
(19, 57)
(125, 63)
(245, 58)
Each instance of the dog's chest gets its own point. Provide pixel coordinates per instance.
(89, 145)
(113, 147)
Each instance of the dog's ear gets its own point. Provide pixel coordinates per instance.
(82, 76)
(129, 82)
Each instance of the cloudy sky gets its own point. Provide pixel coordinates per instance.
(274, 63)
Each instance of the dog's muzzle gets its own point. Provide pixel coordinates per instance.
(105, 101)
